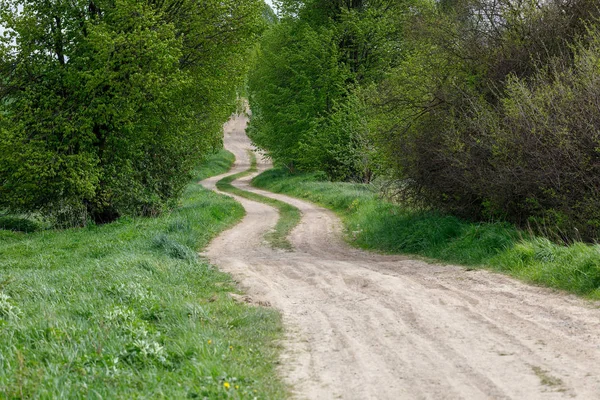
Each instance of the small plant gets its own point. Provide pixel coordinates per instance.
(8, 311)
(18, 224)
(172, 248)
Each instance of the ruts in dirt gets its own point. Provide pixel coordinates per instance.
(369, 326)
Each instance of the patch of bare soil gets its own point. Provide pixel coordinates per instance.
(368, 326)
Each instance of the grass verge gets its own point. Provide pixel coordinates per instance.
(289, 216)
(375, 224)
(128, 310)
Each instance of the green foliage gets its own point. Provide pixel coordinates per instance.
(307, 82)
(296, 78)
(19, 224)
(108, 105)
(376, 224)
(543, 135)
(492, 118)
(129, 310)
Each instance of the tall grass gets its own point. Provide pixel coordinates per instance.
(213, 166)
(129, 310)
(375, 224)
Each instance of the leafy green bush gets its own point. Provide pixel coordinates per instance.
(19, 224)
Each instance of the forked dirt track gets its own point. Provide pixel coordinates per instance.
(368, 326)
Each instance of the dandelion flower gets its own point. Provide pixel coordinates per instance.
(226, 385)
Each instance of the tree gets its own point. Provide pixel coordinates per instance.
(306, 89)
(107, 105)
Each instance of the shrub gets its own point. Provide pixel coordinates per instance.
(496, 118)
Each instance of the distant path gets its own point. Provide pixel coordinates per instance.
(367, 326)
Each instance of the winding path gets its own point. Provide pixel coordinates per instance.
(367, 326)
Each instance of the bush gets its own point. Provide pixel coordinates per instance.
(496, 119)
(18, 224)
(547, 140)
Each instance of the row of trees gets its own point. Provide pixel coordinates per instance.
(487, 109)
(107, 105)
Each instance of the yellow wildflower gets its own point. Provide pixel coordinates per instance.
(226, 385)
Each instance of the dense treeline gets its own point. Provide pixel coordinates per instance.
(487, 109)
(308, 111)
(108, 104)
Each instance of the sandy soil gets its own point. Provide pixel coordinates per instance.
(368, 326)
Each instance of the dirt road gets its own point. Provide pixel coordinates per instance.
(367, 326)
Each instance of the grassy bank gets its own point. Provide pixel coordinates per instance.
(128, 310)
(375, 224)
(289, 216)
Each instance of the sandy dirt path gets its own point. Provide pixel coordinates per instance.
(367, 326)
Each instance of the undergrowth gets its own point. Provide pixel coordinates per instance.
(129, 310)
(289, 216)
(375, 224)
(214, 166)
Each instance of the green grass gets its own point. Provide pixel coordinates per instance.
(128, 310)
(289, 216)
(375, 224)
(215, 165)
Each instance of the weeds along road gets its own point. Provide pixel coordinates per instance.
(368, 326)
